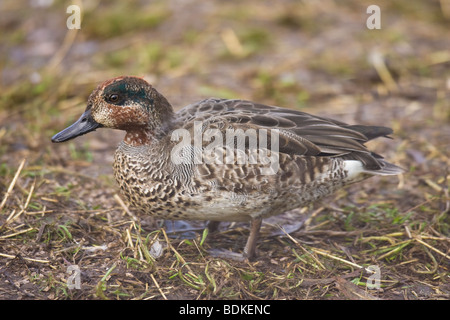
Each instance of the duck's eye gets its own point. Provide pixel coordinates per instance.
(113, 97)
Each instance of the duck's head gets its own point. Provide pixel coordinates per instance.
(125, 103)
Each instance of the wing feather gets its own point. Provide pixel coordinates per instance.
(300, 133)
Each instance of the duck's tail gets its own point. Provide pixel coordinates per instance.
(387, 169)
(356, 170)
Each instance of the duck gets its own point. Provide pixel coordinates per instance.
(225, 159)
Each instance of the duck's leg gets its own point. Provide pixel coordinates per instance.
(250, 247)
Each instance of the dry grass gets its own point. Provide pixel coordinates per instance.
(59, 205)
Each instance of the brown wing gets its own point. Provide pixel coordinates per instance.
(300, 133)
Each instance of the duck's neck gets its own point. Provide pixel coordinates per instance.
(158, 126)
(139, 137)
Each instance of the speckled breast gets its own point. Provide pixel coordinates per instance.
(222, 192)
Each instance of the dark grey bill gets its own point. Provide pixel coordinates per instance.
(83, 125)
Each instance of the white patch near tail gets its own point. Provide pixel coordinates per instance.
(355, 168)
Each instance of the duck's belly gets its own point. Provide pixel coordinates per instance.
(220, 204)
(232, 194)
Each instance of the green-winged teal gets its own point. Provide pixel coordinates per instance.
(179, 165)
